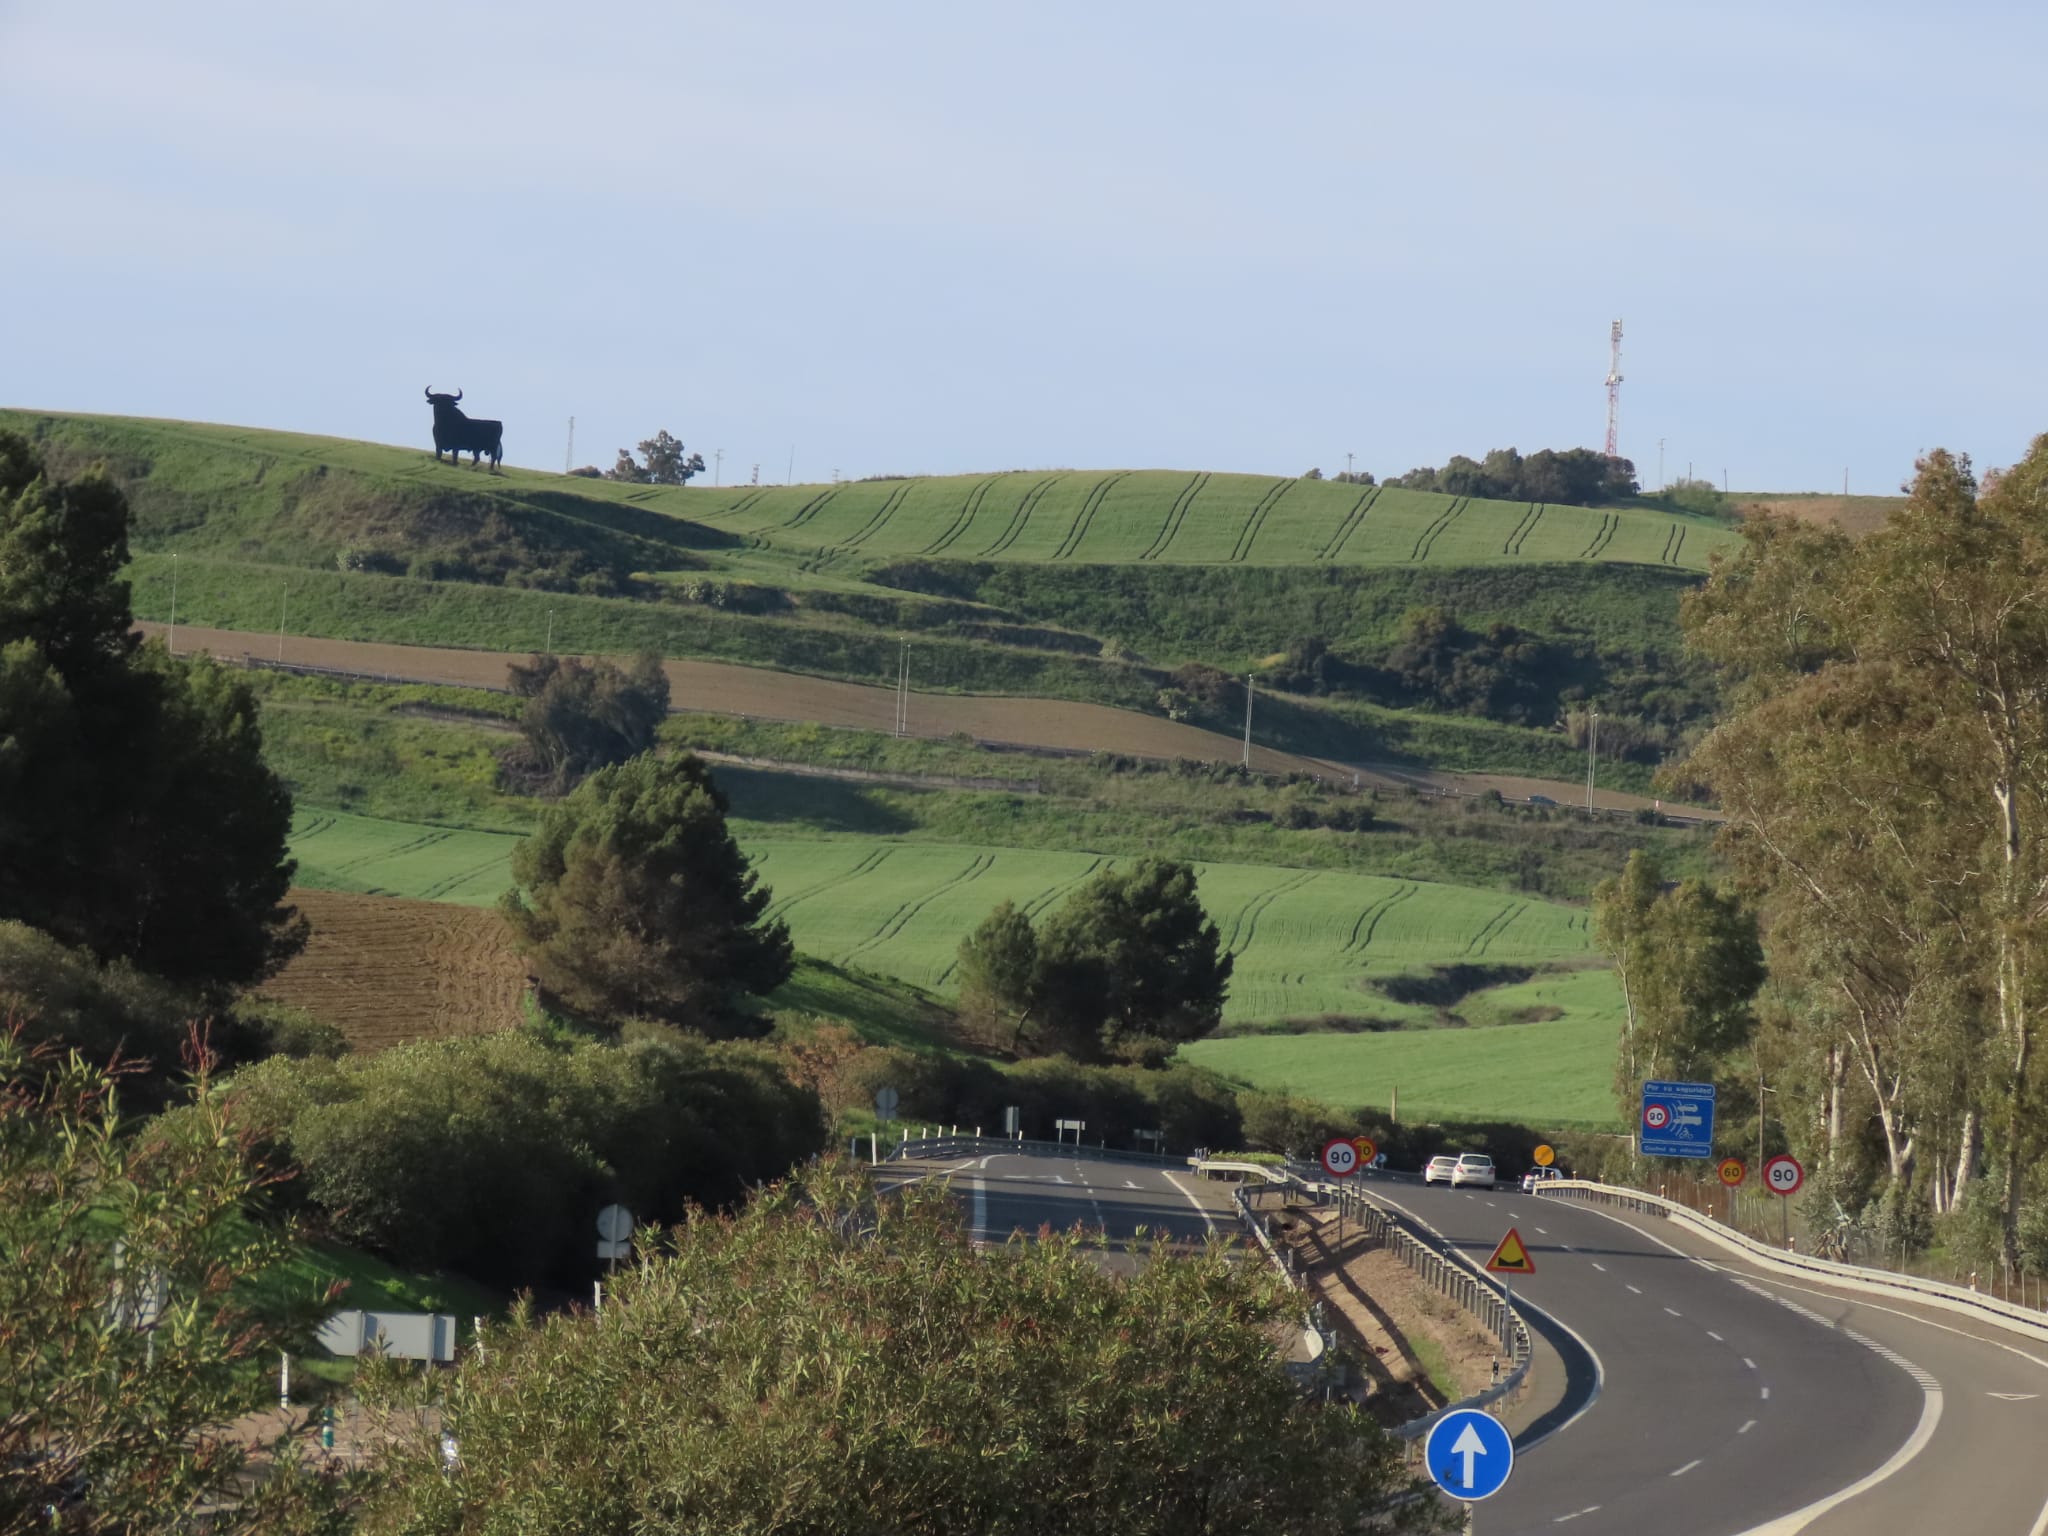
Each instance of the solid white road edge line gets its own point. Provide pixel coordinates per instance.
(2040, 1525)
(1923, 1433)
(1529, 1309)
(1189, 1195)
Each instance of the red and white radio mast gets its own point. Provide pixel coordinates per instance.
(1614, 393)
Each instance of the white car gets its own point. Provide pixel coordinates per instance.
(1439, 1170)
(1536, 1177)
(1473, 1168)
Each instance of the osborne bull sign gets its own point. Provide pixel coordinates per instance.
(456, 434)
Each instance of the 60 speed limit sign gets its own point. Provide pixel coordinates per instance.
(1340, 1157)
(1783, 1175)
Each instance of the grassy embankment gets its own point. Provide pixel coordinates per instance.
(1221, 569)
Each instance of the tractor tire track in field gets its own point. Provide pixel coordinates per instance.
(741, 505)
(873, 525)
(1349, 526)
(811, 508)
(1494, 927)
(898, 920)
(1019, 517)
(1247, 534)
(410, 845)
(1249, 912)
(1036, 905)
(1610, 524)
(1435, 530)
(1055, 891)
(441, 888)
(1523, 537)
(865, 866)
(1519, 531)
(1175, 516)
(1369, 920)
(964, 519)
(1678, 547)
(1090, 505)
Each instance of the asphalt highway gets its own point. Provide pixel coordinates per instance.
(1699, 1397)
(1006, 1193)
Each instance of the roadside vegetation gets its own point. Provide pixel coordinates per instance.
(1880, 762)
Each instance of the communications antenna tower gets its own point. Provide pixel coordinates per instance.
(1614, 392)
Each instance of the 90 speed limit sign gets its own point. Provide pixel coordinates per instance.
(1783, 1175)
(1340, 1158)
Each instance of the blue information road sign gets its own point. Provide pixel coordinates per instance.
(1678, 1119)
(1469, 1453)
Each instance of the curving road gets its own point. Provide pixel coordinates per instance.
(1687, 1393)
(1733, 1402)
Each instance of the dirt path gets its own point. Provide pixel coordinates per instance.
(1045, 725)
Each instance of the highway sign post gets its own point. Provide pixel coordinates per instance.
(1782, 1176)
(1732, 1171)
(1368, 1149)
(1510, 1258)
(1677, 1120)
(1545, 1155)
(1470, 1454)
(1340, 1157)
(885, 1104)
(614, 1233)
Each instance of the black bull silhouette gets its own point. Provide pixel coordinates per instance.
(456, 434)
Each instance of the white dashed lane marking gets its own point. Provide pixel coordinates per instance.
(1685, 1469)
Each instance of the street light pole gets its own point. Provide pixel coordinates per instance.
(1248, 679)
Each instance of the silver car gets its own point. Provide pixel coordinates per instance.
(1439, 1170)
(1473, 1168)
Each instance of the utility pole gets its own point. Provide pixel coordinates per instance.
(1845, 482)
(1614, 391)
(717, 464)
(174, 602)
(283, 599)
(1592, 758)
(903, 688)
(1660, 464)
(789, 474)
(569, 458)
(1248, 720)
(1347, 468)
(549, 649)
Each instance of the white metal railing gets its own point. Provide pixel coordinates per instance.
(1938, 1293)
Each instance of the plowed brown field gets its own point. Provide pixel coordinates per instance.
(384, 970)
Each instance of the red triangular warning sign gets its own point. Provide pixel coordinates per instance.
(1510, 1257)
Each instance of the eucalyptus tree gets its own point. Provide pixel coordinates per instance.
(1885, 768)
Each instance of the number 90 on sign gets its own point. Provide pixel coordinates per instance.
(1340, 1158)
(1783, 1174)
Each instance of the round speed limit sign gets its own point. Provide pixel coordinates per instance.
(1340, 1157)
(1783, 1175)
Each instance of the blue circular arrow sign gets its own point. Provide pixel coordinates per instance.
(1469, 1453)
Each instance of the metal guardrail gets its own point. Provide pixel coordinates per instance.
(1426, 1252)
(959, 1144)
(1439, 1266)
(1937, 1293)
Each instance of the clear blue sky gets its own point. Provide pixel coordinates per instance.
(931, 237)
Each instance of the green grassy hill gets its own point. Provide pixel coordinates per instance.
(1172, 517)
(1078, 585)
(1307, 942)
